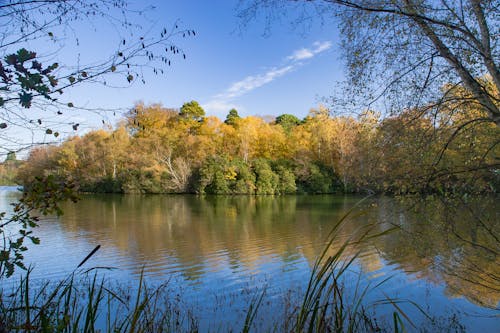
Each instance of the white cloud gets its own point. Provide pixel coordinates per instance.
(253, 82)
(321, 46)
(306, 53)
(222, 102)
(220, 107)
(301, 54)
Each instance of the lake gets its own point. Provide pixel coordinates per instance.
(217, 253)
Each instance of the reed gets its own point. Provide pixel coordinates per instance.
(326, 306)
(88, 304)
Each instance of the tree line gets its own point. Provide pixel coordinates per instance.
(161, 150)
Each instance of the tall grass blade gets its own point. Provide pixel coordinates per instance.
(252, 312)
(89, 255)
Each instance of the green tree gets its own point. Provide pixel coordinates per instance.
(232, 117)
(213, 176)
(192, 111)
(266, 180)
(287, 121)
(286, 184)
(11, 156)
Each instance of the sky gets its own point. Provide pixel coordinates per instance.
(289, 68)
(229, 66)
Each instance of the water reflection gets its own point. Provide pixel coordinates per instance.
(215, 245)
(454, 246)
(245, 231)
(450, 243)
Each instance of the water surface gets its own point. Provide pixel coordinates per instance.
(217, 253)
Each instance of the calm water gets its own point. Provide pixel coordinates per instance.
(217, 253)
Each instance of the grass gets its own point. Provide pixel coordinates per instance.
(83, 302)
(86, 304)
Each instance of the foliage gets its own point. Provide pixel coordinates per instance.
(232, 117)
(192, 111)
(9, 169)
(32, 79)
(11, 157)
(44, 197)
(30, 92)
(266, 180)
(288, 121)
(156, 151)
(28, 83)
(400, 53)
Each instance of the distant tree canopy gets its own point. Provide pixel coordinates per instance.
(192, 111)
(157, 151)
(232, 117)
(11, 156)
(288, 121)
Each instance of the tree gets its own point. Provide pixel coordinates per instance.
(287, 121)
(405, 50)
(192, 111)
(410, 57)
(11, 156)
(31, 85)
(232, 117)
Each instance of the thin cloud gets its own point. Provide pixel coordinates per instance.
(223, 102)
(306, 53)
(322, 46)
(301, 55)
(253, 82)
(220, 107)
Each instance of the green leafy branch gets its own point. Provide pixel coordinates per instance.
(43, 197)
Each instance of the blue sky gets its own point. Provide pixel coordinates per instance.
(287, 71)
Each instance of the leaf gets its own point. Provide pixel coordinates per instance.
(130, 77)
(25, 99)
(48, 131)
(3, 125)
(36, 65)
(56, 134)
(70, 105)
(75, 126)
(52, 80)
(113, 68)
(84, 74)
(35, 240)
(11, 59)
(51, 34)
(71, 79)
(25, 55)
